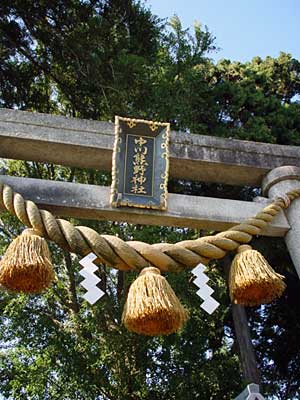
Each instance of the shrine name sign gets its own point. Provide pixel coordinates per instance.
(140, 164)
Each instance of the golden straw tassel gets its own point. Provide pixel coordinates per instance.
(252, 281)
(152, 308)
(26, 266)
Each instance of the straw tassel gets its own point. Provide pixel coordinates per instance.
(252, 281)
(26, 266)
(152, 308)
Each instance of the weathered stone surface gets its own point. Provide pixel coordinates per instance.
(88, 144)
(92, 202)
(277, 183)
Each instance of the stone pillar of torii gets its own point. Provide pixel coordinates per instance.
(276, 183)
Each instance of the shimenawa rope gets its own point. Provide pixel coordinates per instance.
(122, 255)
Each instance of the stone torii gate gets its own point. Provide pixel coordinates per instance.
(89, 144)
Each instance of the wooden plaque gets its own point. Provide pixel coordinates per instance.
(140, 166)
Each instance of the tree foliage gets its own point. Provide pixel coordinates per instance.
(94, 59)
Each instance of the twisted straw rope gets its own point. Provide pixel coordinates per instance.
(116, 253)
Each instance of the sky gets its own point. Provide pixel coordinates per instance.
(243, 28)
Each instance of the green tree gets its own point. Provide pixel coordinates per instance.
(256, 99)
(182, 93)
(94, 54)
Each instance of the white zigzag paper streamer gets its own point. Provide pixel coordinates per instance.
(90, 282)
(210, 304)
